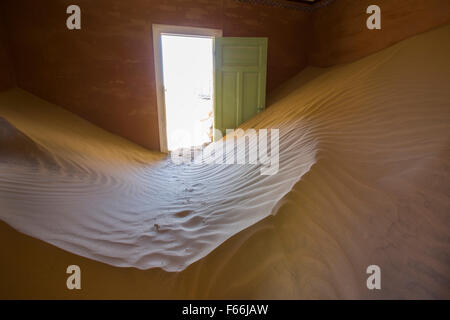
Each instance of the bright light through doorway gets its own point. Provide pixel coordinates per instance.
(188, 83)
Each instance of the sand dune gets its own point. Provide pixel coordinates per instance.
(17, 148)
(364, 179)
(132, 214)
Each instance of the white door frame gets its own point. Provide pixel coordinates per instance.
(158, 30)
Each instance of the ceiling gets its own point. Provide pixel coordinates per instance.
(305, 5)
(304, 1)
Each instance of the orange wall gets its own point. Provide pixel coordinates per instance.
(6, 69)
(340, 33)
(105, 71)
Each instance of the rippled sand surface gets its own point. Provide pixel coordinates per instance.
(363, 179)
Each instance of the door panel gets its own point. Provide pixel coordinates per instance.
(234, 56)
(230, 96)
(240, 80)
(250, 95)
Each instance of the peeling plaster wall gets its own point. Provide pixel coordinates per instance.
(105, 73)
(340, 33)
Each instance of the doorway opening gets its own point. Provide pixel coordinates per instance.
(184, 68)
(188, 89)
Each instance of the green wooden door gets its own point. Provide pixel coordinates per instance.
(240, 80)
